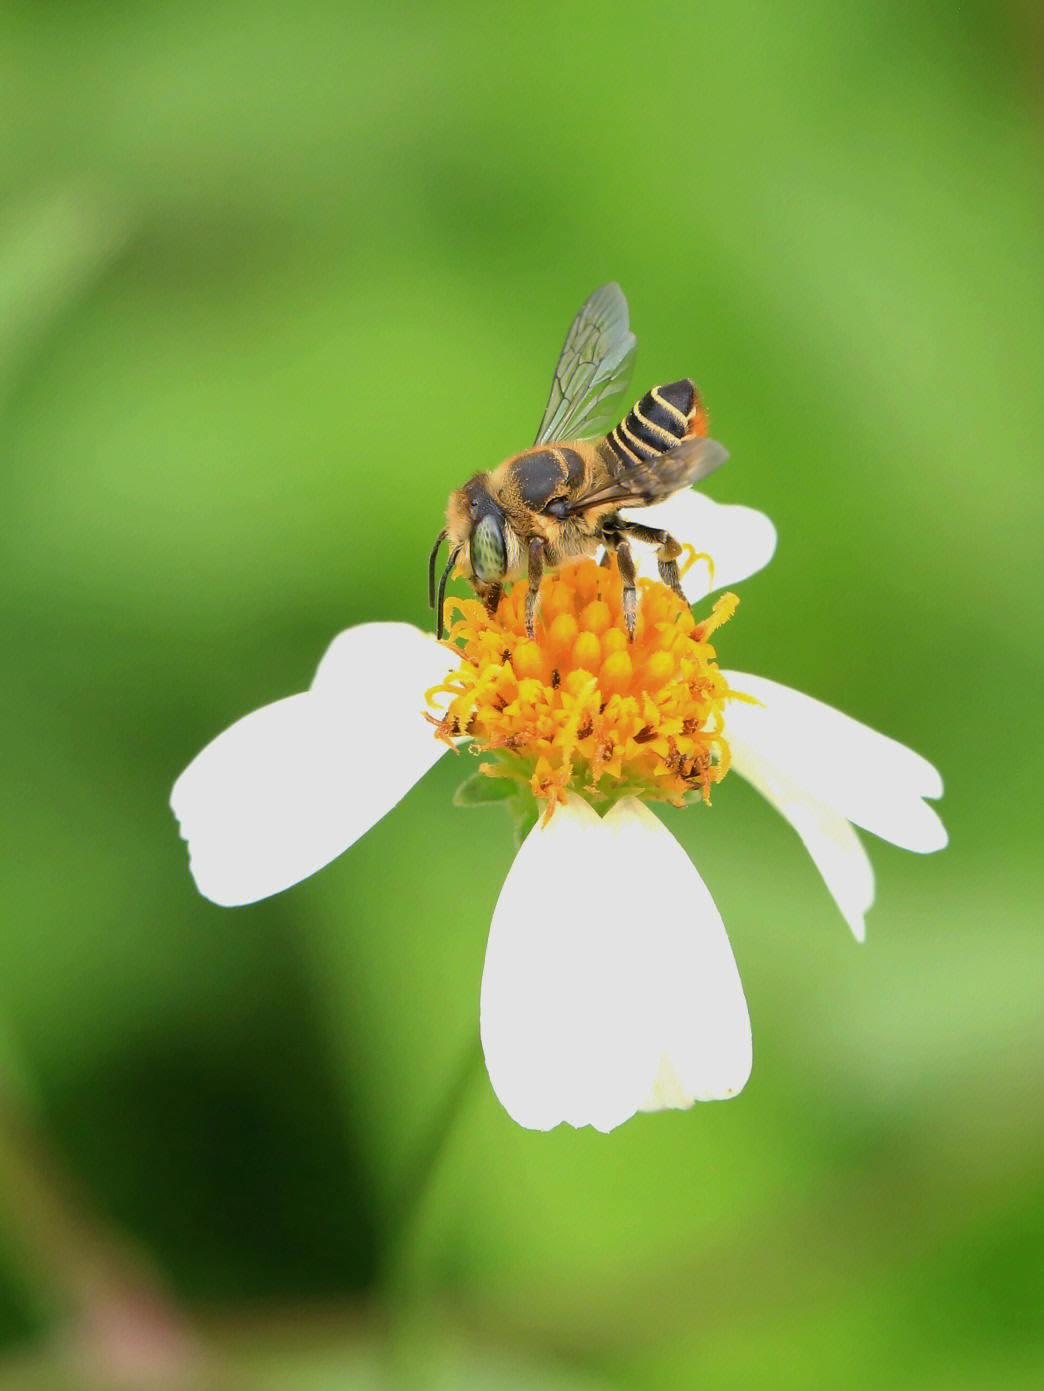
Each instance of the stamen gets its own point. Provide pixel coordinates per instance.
(692, 555)
(580, 706)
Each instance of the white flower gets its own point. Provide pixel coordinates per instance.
(609, 984)
(741, 540)
(288, 788)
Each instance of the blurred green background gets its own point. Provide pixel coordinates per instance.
(236, 241)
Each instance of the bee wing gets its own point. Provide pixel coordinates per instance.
(638, 486)
(593, 371)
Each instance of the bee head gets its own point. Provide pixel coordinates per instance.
(477, 531)
(480, 542)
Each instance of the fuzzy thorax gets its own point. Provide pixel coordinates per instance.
(579, 707)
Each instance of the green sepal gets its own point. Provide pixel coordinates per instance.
(524, 813)
(480, 788)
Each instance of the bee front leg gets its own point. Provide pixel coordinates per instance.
(536, 572)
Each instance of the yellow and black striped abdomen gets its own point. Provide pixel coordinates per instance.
(664, 416)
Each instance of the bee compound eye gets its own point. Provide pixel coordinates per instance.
(488, 557)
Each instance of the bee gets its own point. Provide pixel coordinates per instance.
(560, 499)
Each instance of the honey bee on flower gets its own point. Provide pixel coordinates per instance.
(561, 499)
(588, 692)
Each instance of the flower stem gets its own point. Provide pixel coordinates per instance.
(411, 1201)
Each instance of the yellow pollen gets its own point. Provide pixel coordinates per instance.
(579, 705)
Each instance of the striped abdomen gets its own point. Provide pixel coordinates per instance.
(663, 416)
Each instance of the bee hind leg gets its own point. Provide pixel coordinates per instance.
(668, 568)
(666, 556)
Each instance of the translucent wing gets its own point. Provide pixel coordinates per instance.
(593, 371)
(687, 463)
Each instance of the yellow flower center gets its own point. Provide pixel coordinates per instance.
(579, 706)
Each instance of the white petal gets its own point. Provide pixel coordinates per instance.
(740, 540)
(860, 774)
(286, 789)
(707, 1045)
(606, 954)
(834, 846)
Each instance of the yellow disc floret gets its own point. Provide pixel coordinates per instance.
(578, 705)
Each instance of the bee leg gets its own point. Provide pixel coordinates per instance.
(630, 592)
(536, 571)
(668, 568)
(666, 556)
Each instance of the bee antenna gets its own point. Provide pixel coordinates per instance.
(442, 590)
(431, 567)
